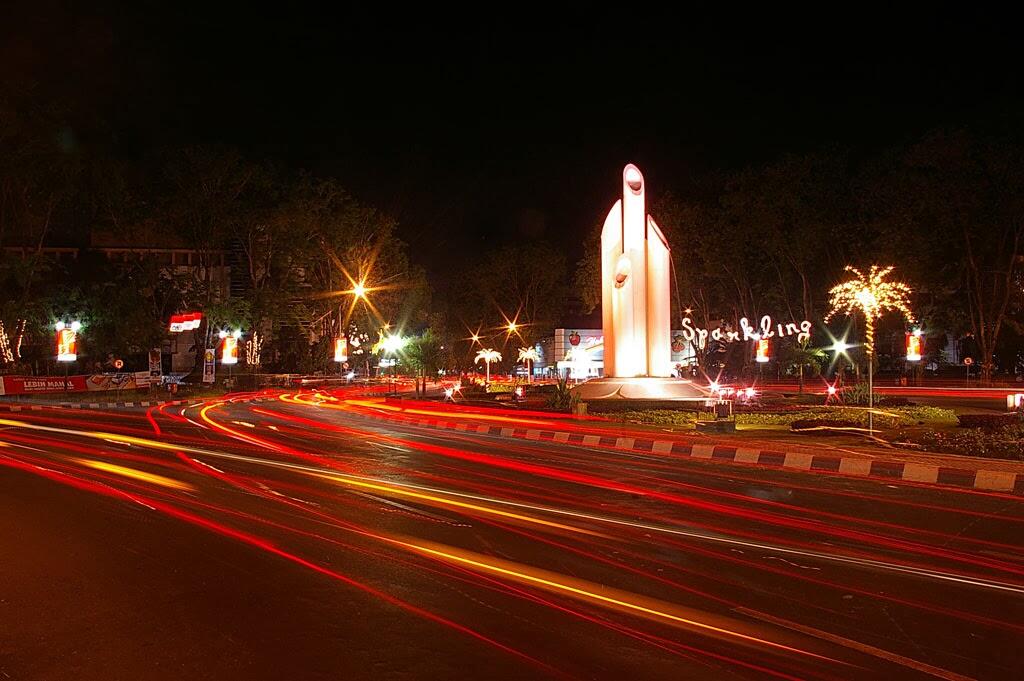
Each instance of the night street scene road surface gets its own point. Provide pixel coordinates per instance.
(312, 535)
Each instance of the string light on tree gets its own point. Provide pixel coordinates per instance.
(253, 348)
(873, 296)
(528, 356)
(6, 353)
(488, 355)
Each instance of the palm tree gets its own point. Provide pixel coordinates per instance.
(802, 356)
(528, 355)
(488, 355)
(871, 295)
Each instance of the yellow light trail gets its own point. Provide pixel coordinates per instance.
(135, 474)
(678, 531)
(551, 581)
(458, 504)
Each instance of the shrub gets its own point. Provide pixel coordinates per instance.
(660, 417)
(857, 394)
(561, 397)
(986, 420)
(997, 443)
(889, 418)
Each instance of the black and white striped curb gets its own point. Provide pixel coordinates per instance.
(881, 469)
(38, 406)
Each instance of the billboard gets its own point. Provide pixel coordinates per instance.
(27, 385)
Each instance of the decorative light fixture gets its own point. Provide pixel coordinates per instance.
(67, 341)
(872, 295)
(913, 340)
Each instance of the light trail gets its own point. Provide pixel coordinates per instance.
(645, 547)
(136, 474)
(849, 560)
(589, 592)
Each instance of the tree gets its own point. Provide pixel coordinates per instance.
(488, 355)
(424, 353)
(801, 356)
(969, 189)
(528, 356)
(525, 283)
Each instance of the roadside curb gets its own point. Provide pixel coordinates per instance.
(37, 406)
(854, 466)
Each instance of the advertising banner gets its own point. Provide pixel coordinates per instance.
(67, 344)
(340, 349)
(229, 350)
(209, 365)
(27, 385)
(155, 368)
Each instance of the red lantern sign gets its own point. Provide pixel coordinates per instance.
(340, 349)
(229, 350)
(67, 343)
(574, 339)
(914, 346)
(764, 349)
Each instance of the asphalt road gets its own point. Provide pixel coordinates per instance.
(298, 539)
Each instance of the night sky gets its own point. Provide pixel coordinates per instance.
(474, 137)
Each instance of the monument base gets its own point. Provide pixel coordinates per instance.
(642, 388)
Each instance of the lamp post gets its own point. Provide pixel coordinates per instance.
(392, 344)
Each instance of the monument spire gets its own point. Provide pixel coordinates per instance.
(635, 286)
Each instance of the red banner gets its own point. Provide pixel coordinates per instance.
(25, 385)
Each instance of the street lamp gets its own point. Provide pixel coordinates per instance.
(392, 344)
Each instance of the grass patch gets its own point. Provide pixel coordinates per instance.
(893, 417)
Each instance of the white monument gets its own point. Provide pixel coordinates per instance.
(635, 306)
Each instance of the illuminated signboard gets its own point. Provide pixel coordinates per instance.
(67, 341)
(764, 350)
(340, 349)
(914, 346)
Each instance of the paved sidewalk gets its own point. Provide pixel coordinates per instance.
(991, 475)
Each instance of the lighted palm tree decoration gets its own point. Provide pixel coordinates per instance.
(872, 295)
(528, 355)
(488, 355)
